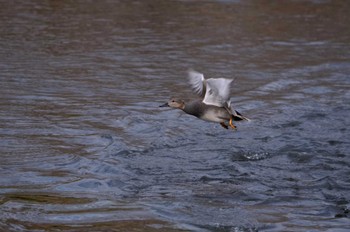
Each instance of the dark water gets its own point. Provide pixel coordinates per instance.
(85, 147)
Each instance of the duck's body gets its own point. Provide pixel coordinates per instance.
(215, 106)
(206, 112)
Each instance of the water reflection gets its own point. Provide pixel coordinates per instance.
(84, 145)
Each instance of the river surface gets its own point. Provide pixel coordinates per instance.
(85, 147)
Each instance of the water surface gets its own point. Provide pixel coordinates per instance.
(84, 145)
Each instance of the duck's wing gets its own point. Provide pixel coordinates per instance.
(197, 82)
(217, 92)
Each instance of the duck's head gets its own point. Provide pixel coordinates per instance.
(174, 103)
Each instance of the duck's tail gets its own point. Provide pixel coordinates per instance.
(237, 116)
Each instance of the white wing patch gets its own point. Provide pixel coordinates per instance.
(217, 91)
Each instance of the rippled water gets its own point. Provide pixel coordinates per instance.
(85, 147)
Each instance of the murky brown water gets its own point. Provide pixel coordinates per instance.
(85, 147)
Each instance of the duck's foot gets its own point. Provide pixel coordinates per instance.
(231, 124)
(223, 125)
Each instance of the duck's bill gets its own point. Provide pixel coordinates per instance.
(164, 105)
